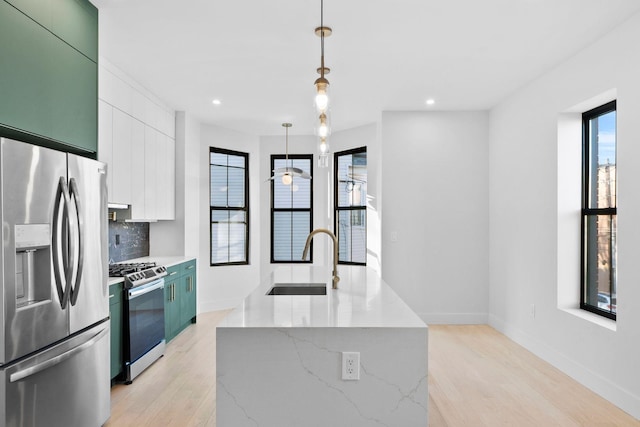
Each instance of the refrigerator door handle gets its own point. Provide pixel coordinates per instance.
(59, 237)
(79, 264)
(32, 370)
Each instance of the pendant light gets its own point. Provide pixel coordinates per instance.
(321, 100)
(287, 173)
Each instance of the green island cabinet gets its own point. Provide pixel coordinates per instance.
(115, 313)
(49, 73)
(180, 298)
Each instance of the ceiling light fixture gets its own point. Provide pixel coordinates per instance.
(216, 102)
(287, 173)
(430, 101)
(321, 100)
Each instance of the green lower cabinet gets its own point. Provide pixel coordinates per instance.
(115, 314)
(188, 299)
(180, 298)
(171, 309)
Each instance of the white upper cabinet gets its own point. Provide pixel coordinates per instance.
(136, 138)
(122, 160)
(105, 139)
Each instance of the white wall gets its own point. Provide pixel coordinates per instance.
(530, 220)
(225, 286)
(180, 237)
(436, 201)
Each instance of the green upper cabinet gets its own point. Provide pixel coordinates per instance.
(74, 21)
(49, 73)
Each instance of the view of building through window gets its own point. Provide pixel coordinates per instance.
(600, 211)
(351, 206)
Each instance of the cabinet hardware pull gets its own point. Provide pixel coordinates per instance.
(172, 273)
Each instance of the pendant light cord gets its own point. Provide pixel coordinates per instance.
(322, 38)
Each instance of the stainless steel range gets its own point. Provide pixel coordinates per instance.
(143, 316)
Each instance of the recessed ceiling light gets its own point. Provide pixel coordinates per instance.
(430, 101)
(216, 102)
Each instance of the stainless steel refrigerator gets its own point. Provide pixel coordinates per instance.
(54, 349)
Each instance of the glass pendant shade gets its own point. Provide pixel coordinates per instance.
(287, 179)
(321, 100)
(323, 160)
(323, 146)
(323, 126)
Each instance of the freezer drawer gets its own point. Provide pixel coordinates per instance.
(66, 385)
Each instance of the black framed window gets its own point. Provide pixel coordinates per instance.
(599, 211)
(229, 202)
(291, 210)
(350, 202)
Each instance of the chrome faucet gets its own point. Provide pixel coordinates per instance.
(336, 279)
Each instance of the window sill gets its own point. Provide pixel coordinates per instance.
(592, 317)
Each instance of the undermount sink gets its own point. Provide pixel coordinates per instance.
(298, 289)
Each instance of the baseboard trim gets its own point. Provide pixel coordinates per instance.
(620, 397)
(454, 318)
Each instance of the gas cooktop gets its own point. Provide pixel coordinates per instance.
(122, 269)
(137, 274)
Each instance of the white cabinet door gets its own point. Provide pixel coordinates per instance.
(151, 155)
(166, 177)
(122, 159)
(138, 170)
(105, 140)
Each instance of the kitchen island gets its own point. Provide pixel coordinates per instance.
(279, 358)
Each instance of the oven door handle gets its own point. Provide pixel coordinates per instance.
(145, 289)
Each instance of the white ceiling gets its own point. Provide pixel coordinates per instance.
(260, 57)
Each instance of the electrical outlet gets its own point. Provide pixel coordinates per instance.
(350, 365)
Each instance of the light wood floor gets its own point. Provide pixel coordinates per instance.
(477, 377)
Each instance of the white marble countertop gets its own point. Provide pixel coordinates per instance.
(362, 299)
(167, 261)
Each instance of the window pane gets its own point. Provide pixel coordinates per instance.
(602, 164)
(219, 243)
(290, 231)
(352, 236)
(352, 180)
(219, 187)
(601, 262)
(282, 194)
(218, 159)
(236, 161)
(236, 188)
(237, 250)
(298, 194)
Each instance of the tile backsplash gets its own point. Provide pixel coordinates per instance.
(128, 240)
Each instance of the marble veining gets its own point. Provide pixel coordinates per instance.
(282, 376)
(279, 358)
